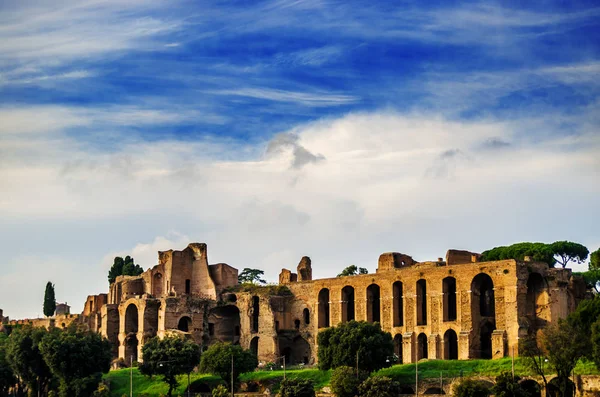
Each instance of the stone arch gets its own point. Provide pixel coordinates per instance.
(421, 302)
(226, 323)
(373, 303)
(306, 315)
(553, 389)
(255, 311)
(398, 347)
(398, 304)
(422, 348)
(131, 319)
(185, 324)
(347, 303)
(157, 284)
(450, 345)
(323, 308)
(537, 301)
(483, 314)
(531, 387)
(449, 289)
(254, 346)
(295, 350)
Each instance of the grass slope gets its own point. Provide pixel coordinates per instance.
(143, 385)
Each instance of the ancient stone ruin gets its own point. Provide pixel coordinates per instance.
(457, 308)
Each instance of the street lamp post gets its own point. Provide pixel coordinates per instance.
(131, 377)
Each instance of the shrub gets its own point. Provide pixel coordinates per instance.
(297, 388)
(507, 386)
(470, 388)
(378, 386)
(220, 391)
(217, 361)
(344, 382)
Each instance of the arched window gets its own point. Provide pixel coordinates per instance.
(131, 319)
(450, 345)
(421, 302)
(537, 308)
(398, 304)
(185, 324)
(347, 304)
(449, 289)
(254, 346)
(483, 313)
(373, 303)
(323, 308)
(255, 313)
(422, 346)
(157, 285)
(306, 315)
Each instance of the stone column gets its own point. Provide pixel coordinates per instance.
(409, 348)
(433, 346)
(464, 345)
(498, 344)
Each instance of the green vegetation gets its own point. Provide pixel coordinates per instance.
(561, 252)
(123, 267)
(508, 386)
(379, 386)
(568, 251)
(49, 300)
(470, 388)
(342, 344)
(143, 385)
(169, 357)
(253, 276)
(352, 270)
(294, 387)
(218, 358)
(263, 290)
(345, 382)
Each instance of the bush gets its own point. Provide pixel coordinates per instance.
(344, 382)
(379, 386)
(217, 361)
(507, 386)
(297, 388)
(470, 388)
(220, 391)
(102, 391)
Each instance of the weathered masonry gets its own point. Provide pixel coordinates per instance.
(457, 308)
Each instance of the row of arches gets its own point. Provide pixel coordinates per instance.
(449, 350)
(373, 294)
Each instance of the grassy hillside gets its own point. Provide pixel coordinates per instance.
(404, 373)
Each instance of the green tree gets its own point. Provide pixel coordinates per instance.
(470, 388)
(344, 381)
(7, 377)
(508, 386)
(564, 346)
(49, 300)
(123, 267)
(217, 361)
(297, 388)
(595, 260)
(568, 251)
(169, 357)
(352, 270)
(342, 344)
(23, 354)
(220, 391)
(582, 320)
(253, 276)
(539, 252)
(77, 358)
(379, 386)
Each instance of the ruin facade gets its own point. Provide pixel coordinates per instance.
(454, 308)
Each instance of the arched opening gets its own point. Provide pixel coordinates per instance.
(398, 348)
(131, 319)
(184, 324)
(407, 390)
(398, 303)
(532, 388)
(157, 285)
(323, 308)
(255, 313)
(306, 315)
(347, 304)
(537, 307)
(421, 302)
(449, 289)
(556, 388)
(434, 390)
(296, 350)
(254, 346)
(422, 351)
(450, 345)
(483, 313)
(373, 303)
(226, 320)
(131, 349)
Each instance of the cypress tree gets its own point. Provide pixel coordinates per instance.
(49, 300)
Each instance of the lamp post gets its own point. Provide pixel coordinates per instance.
(283, 359)
(131, 377)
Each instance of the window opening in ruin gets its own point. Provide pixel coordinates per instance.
(422, 346)
(449, 289)
(450, 345)
(157, 285)
(398, 304)
(188, 285)
(131, 319)
(482, 315)
(225, 323)
(398, 347)
(211, 329)
(347, 304)
(421, 302)
(255, 313)
(91, 303)
(373, 303)
(297, 324)
(306, 314)
(254, 345)
(185, 324)
(537, 309)
(323, 308)
(486, 339)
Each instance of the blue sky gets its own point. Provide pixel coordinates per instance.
(276, 129)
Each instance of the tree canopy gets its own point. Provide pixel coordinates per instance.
(568, 251)
(169, 357)
(49, 300)
(353, 270)
(297, 388)
(253, 276)
(123, 267)
(340, 345)
(561, 252)
(217, 361)
(7, 377)
(508, 386)
(595, 260)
